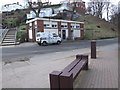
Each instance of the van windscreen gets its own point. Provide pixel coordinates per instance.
(38, 35)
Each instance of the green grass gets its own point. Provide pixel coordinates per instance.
(96, 28)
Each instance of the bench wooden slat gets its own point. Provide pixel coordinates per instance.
(73, 63)
(78, 68)
(70, 66)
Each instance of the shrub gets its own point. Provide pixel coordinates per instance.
(22, 36)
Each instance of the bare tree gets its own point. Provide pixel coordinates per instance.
(89, 10)
(97, 7)
(113, 9)
(73, 10)
(92, 5)
(108, 5)
(37, 9)
(115, 14)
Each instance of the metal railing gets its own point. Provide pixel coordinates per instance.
(3, 34)
(16, 35)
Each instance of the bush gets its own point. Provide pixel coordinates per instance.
(22, 36)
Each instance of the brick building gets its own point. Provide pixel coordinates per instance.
(67, 30)
(80, 5)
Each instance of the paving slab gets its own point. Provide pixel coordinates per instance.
(103, 71)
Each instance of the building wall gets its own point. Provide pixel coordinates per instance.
(64, 27)
(81, 8)
(30, 32)
(66, 30)
(51, 30)
(40, 26)
(50, 26)
(59, 29)
(77, 33)
(69, 31)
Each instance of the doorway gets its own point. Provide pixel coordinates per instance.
(72, 35)
(63, 34)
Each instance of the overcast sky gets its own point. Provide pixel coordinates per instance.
(53, 1)
(3, 2)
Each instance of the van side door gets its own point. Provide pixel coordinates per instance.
(55, 37)
(50, 38)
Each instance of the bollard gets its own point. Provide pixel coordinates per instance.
(93, 49)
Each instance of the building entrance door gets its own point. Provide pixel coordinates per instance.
(63, 34)
(72, 35)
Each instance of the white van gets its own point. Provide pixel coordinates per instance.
(43, 38)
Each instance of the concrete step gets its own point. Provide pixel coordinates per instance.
(6, 44)
(11, 31)
(9, 38)
(10, 35)
(8, 41)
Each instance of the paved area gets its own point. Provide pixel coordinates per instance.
(25, 44)
(0, 68)
(103, 71)
(34, 73)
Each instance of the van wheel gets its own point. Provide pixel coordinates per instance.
(44, 44)
(58, 42)
(39, 44)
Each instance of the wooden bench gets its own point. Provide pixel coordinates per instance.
(60, 80)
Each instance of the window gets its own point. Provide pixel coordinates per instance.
(55, 35)
(46, 25)
(72, 26)
(30, 27)
(38, 35)
(78, 27)
(64, 26)
(54, 26)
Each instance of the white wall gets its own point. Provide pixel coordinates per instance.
(30, 32)
(76, 33)
(51, 30)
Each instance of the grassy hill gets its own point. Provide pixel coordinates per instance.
(96, 28)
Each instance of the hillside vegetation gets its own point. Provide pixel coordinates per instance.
(96, 28)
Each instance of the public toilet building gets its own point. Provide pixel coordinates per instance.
(67, 30)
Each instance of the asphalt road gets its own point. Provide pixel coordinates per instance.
(15, 52)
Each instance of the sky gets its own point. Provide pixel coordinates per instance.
(53, 1)
(22, 2)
